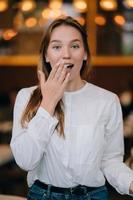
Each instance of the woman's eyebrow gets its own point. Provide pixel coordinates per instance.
(55, 41)
(75, 40)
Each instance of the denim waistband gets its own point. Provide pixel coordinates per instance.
(78, 190)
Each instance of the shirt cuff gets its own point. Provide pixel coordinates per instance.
(42, 124)
(131, 192)
(130, 180)
(41, 111)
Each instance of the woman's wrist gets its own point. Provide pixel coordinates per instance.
(48, 107)
(131, 188)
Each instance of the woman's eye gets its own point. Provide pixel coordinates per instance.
(56, 47)
(75, 46)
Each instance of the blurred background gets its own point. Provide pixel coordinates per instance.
(109, 24)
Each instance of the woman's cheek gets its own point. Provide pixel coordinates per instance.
(53, 62)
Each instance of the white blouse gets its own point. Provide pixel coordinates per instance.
(93, 146)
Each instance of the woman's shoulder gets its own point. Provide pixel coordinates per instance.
(26, 91)
(101, 93)
(24, 94)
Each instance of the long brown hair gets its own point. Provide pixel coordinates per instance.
(36, 96)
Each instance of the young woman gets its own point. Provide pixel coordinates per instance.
(67, 132)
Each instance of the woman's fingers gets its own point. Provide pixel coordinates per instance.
(65, 82)
(62, 75)
(53, 71)
(58, 73)
(41, 77)
(58, 83)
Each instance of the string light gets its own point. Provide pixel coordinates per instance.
(55, 4)
(3, 5)
(108, 5)
(81, 20)
(100, 20)
(9, 34)
(128, 3)
(52, 13)
(27, 5)
(126, 98)
(31, 22)
(46, 13)
(80, 5)
(120, 20)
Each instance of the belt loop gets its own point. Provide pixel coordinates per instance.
(85, 190)
(49, 191)
(71, 190)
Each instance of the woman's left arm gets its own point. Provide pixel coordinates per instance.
(117, 173)
(131, 188)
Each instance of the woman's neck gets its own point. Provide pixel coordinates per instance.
(75, 85)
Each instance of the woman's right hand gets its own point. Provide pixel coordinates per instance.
(53, 88)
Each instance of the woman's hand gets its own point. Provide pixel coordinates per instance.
(53, 88)
(131, 188)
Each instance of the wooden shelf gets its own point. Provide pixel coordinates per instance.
(110, 61)
(23, 60)
(31, 60)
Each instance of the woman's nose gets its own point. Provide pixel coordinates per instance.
(66, 53)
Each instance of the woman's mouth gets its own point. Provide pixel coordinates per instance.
(69, 65)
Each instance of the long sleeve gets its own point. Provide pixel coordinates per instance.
(116, 172)
(29, 144)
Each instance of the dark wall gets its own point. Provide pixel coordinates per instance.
(115, 79)
(17, 77)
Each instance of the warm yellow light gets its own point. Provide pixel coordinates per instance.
(3, 5)
(129, 3)
(55, 4)
(80, 5)
(42, 22)
(46, 13)
(64, 13)
(55, 13)
(51, 13)
(27, 5)
(100, 20)
(108, 4)
(120, 20)
(126, 98)
(81, 20)
(9, 34)
(31, 22)
(18, 20)
(1, 34)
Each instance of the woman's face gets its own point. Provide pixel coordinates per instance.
(66, 45)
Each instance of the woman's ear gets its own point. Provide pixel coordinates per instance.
(47, 59)
(85, 57)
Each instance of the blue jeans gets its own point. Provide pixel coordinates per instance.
(37, 193)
